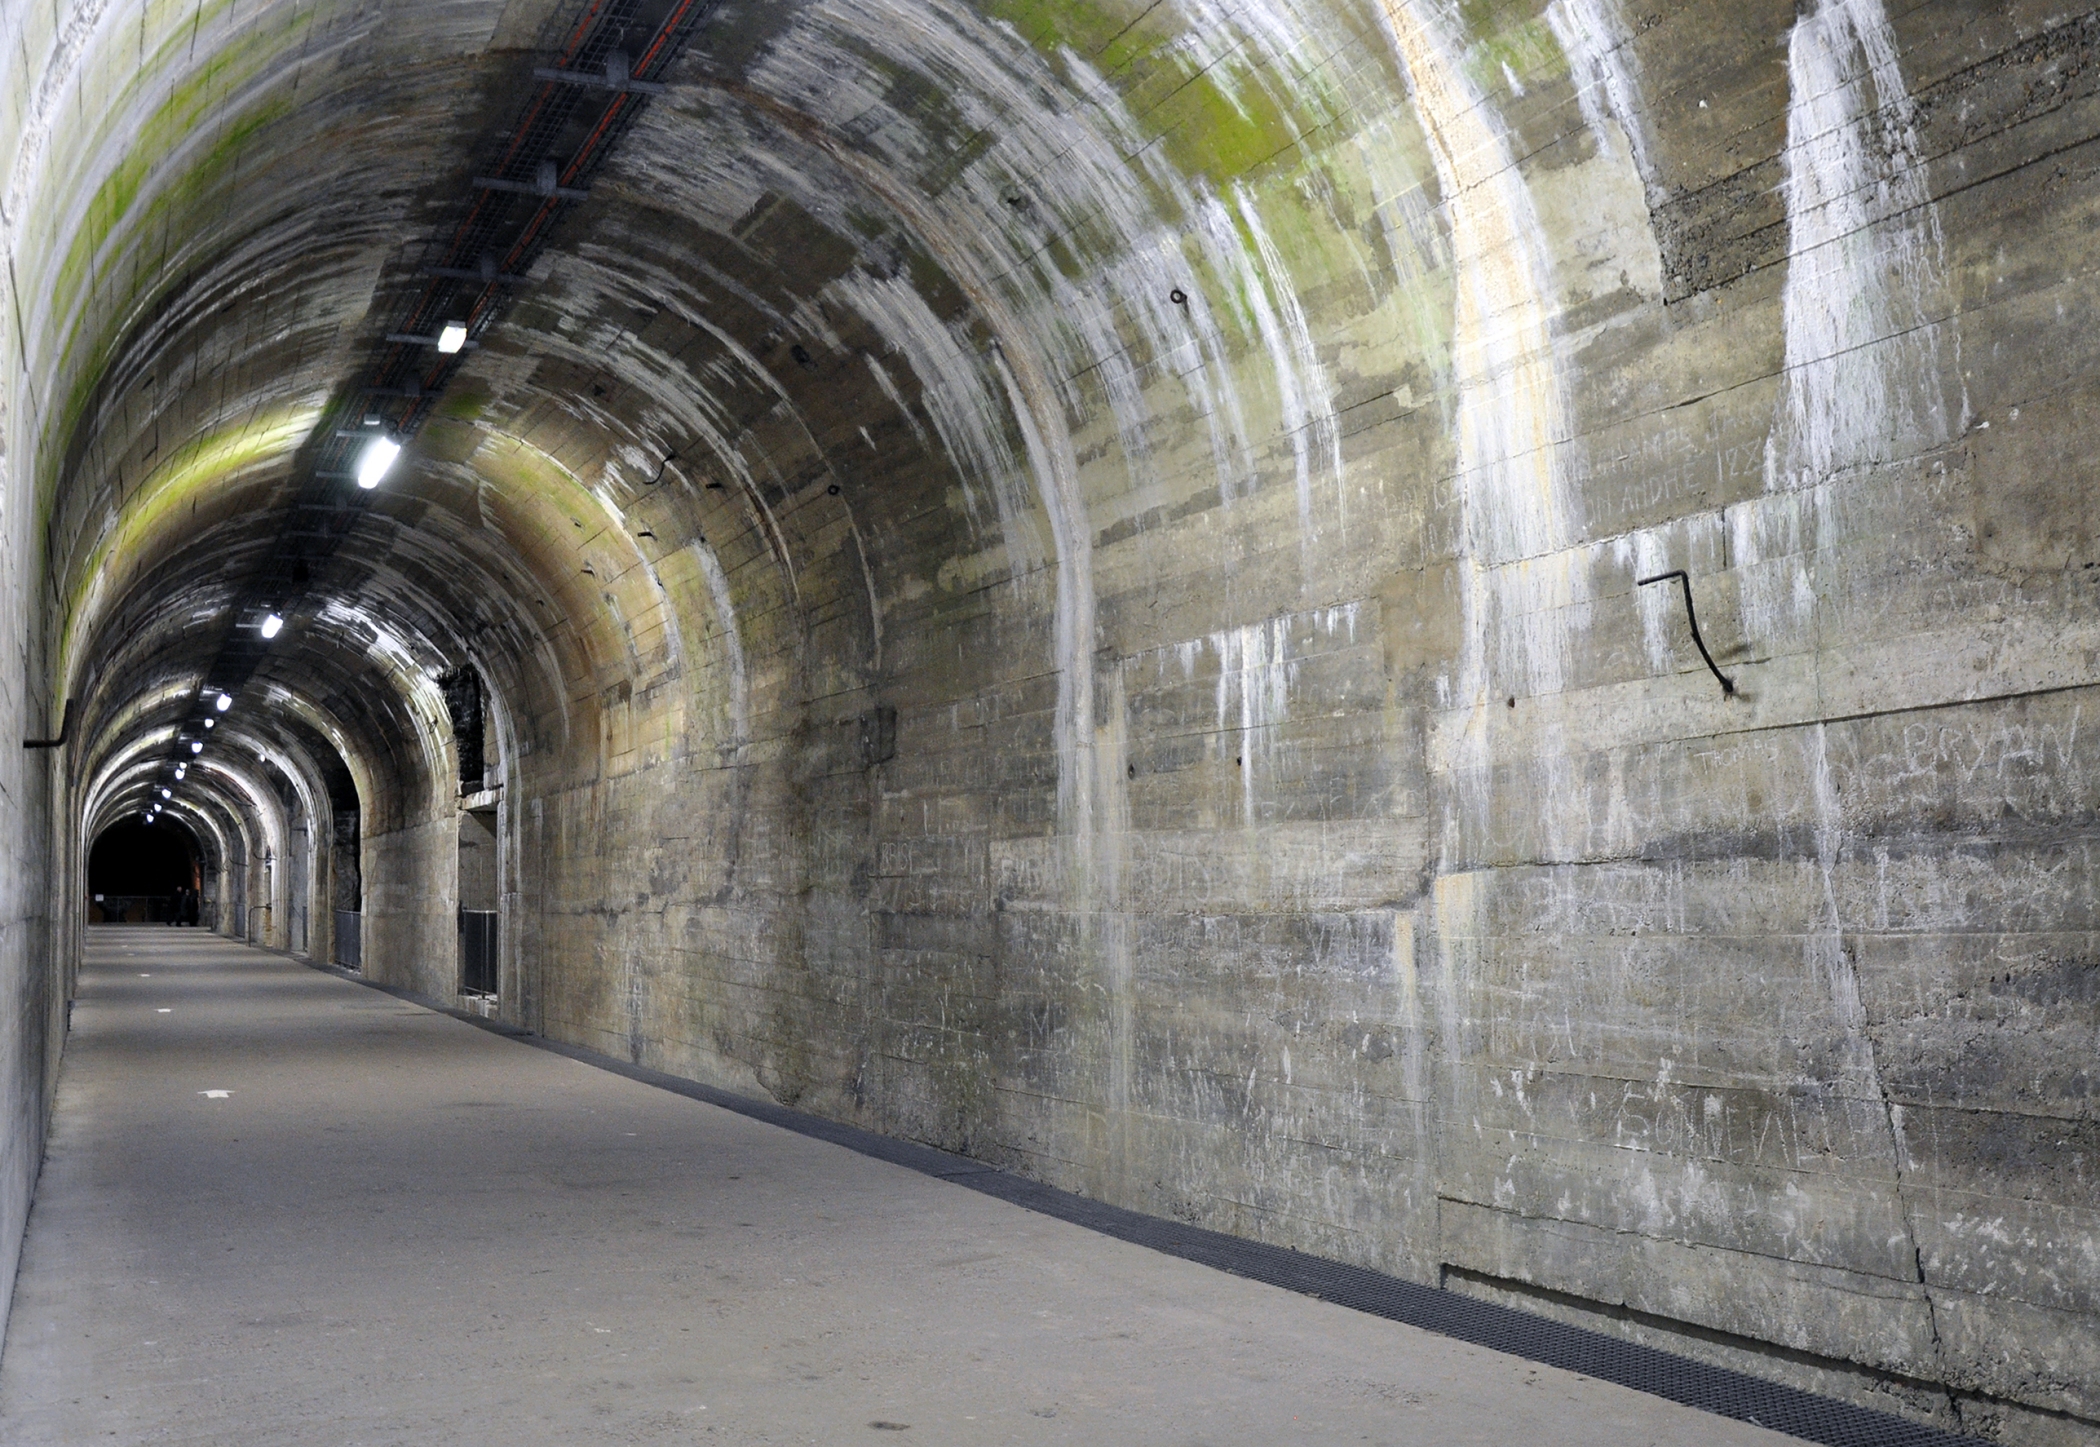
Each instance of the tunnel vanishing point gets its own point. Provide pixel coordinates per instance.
(1064, 579)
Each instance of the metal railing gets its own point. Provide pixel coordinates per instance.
(349, 939)
(477, 952)
(132, 908)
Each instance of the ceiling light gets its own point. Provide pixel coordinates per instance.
(452, 336)
(197, 747)
(379, 455)
(274, 624)
(225, 701)
(211, 723)
(167, 794)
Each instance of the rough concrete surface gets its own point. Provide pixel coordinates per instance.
(1060, 579)
(398, 1229)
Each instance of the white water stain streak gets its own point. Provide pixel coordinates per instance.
(1308, 396)
(1050, 454)
(954, 231)
(1523, 584)
(968, 407)
(888, 385)
(1866, 263)
(1871, 368)
(1254, 686)
(732, 646)
(1510, 406)
(1257, 666)
(1606, 72)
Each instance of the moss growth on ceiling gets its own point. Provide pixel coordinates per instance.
(198, 468)
(202, 101)
(1219, 121)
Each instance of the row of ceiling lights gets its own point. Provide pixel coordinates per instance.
(597, 26)
(373, 464)
(219, 705)
(378, 457)
(372, 467)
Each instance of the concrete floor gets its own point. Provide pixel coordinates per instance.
(396, 1228)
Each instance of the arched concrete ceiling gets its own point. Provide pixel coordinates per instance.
(1223, 439)
(870, 306)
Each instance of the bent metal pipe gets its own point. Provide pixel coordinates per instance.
(1691, 616)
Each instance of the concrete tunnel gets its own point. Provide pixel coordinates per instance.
(1441, 638)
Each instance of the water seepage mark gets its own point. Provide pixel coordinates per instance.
(1605, 71)
(1872, 353)
(1865, 380)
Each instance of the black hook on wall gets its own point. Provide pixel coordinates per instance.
(1691, 616)
(65, 730)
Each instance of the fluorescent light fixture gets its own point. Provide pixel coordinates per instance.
(452, 336)
(225, 701)
(197, 746)
(274, 624)
(379, 455)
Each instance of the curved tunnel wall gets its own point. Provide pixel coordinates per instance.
(1062, 580)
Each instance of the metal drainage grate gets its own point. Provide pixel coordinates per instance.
(1719, 1390)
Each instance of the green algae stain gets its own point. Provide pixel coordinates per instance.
(1108, 40)
(1220, 121)
(1508, 39)
(464, 403)
(184, 197)
(150, 515)
(175, 211)
(148, 145)
(1207, 132)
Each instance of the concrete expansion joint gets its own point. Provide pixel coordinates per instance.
(1898, 1164)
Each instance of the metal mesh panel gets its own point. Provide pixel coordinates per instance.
(477, 951)
(349, 939)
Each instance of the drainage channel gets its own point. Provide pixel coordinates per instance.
(1719, 1390)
